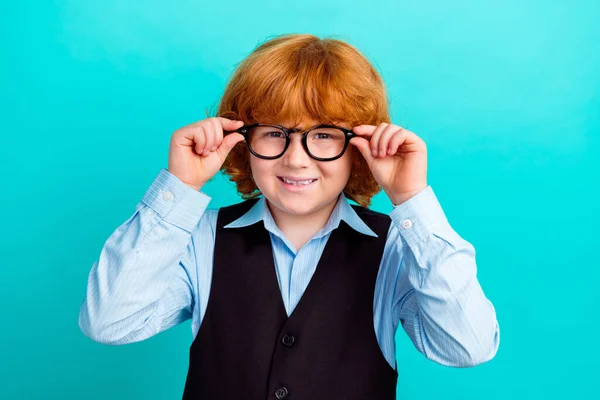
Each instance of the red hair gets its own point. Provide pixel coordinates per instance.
(294, 77)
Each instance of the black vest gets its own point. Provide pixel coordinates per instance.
(247, 347)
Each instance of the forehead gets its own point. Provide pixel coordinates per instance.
(303, 124)
(307, 123)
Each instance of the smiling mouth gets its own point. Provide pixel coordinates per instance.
(296, 182)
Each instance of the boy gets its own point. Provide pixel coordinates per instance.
(295, 293)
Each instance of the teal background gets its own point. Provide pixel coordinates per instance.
(505, 94)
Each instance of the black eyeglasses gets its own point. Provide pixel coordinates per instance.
(322, 142)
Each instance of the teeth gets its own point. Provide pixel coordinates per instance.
(298, 182)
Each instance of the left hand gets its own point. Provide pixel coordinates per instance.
(400, 166)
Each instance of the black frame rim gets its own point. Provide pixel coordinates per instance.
(348, 134)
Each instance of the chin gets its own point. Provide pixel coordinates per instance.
(297, 206)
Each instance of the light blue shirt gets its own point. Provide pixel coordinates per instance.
(155, 270)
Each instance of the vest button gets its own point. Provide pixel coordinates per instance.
(288, 340)
(281, 393)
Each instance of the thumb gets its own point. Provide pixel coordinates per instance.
(229, 141)
(363, 146)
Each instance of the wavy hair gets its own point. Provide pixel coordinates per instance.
(298, 76)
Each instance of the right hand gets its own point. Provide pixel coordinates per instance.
(191, 155)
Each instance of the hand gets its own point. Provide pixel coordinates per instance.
(197, 151)
(400, 164)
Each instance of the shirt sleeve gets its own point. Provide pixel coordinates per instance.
(437, 297)
(142, 283)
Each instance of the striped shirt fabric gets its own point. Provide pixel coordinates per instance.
(154, 272)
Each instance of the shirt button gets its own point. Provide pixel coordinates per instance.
(288, 340)
(281, 393)
(167, 196)
(406, 224)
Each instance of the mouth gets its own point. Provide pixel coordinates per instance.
(296, 184)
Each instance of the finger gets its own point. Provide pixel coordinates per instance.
(229, 141)
(216, 132)
(218, 135)
(384, 140)
(362, 145)
(364, 130)
(411, 142)
(374, 141)
(199, 139)
(397, 140)
(229, 124)
(209, 135)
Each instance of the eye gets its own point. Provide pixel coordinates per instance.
(326, 135)
(275, 134)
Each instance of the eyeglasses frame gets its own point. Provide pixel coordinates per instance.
(245, 131)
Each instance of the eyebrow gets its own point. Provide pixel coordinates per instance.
(314, 126)
(304, 129)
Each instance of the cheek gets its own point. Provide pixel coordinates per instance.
(339, 170)
(260, 169)
(347, 168)
(346, 163)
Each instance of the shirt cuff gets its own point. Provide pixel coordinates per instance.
(175, 201)
(419, 216)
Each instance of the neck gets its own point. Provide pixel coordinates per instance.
(300, 228)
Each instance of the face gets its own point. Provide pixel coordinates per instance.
(328, 178)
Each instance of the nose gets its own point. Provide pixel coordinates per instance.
(295, 156)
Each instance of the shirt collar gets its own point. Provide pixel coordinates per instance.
(342, 211)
